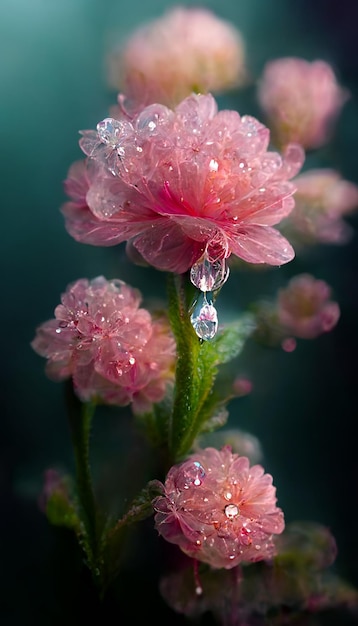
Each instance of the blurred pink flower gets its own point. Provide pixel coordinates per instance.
(321, 200)
(304, 307)
(301, 100)
(219, 510)
(113, 350)
(184, 185)
(188, 49)
(55, 484)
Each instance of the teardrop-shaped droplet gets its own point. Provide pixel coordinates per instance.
(208, 276)
(204, 317)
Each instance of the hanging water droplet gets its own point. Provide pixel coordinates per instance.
(204, 317)
(192, 474)
(208, 276)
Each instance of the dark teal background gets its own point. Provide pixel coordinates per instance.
(303, 408)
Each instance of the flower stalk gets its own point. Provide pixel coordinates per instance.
(80, 420)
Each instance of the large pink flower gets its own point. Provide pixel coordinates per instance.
(183, 185)
(301, 100)
(219, 510)
(113, 349)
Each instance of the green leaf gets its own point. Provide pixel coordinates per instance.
(140, 509)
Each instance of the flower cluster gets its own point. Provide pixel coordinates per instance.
(219, 510)
(187, 186)
(111, 348)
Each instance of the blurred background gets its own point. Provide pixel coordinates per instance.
(303, 407)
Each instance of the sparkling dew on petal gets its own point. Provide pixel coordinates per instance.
(111, 347)
(219, 510)
(189, 182)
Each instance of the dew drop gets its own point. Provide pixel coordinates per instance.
(109, 131)
(204, 317)
(191, 474)
(231, 511)
(208, 276)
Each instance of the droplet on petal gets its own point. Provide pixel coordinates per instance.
(231, 511)
(208, 276)
(109, 130)
(204, 317)
(191, 474)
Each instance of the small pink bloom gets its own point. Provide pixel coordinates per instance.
(187, 49)
(321, 200)
(184, 185)
(301, 100)
(54, 485)
(219, 510)
(113, 350)
(242, 386)
(305, 309)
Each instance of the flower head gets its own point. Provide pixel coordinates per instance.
(322, 199)
(187, 49)
(112, 349)
(185, 185)
(219, 510)
(301, 100)
(305, 309)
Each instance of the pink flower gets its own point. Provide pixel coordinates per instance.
(187, 49)
(321, 200)
(185, 185)
(113, 350)
(301, 100)
(305, 309)
(219, 510)
(55, 485)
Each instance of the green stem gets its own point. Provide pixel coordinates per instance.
(188, 348)
(80, 420)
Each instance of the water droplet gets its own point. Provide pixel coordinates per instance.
(213, 165)
(231, 511)
(58, 330)
(257, 547)
(109, 131)
(131, 360)
(204, 318)
(228, 495)
(191, 474)
(208, 276)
